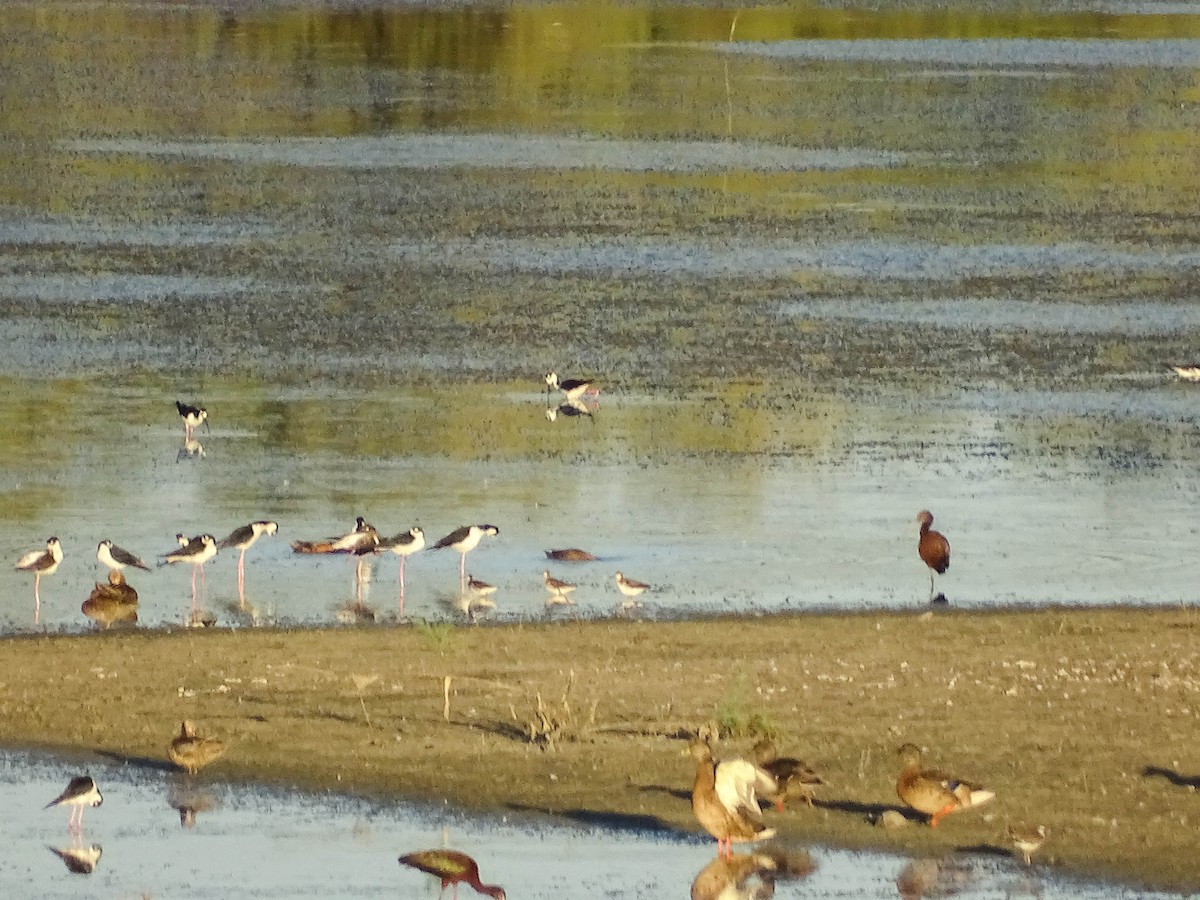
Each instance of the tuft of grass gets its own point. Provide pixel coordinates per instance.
(440, 636)
(736, 718)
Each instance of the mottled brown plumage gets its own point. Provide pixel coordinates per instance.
(794, 777)
(116, 601)
(932, 792)
(724, 798)
(191, 752)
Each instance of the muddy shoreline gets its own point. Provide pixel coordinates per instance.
(1011, 699)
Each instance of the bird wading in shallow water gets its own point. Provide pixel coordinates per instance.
(80, 792)
(572, 388)
(464, 540)
(935, 793)
(404, 545)
(192, 416)
(452, 867)
(243, 539)
(117, 558)
(933, 549)
(41, 562)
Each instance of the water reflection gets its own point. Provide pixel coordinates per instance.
(190, 800)
(750, 876)
(572, 409)
(79, 860)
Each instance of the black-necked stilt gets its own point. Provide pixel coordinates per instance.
(933, 548)
(196, 551)
(191, 752)
(404, 545)
(572, 388)
(81, 791)
(41, 562)
(1188, 371)
(556, 586)
(570, 408)
(630, 587)
(571, 554)
(192, 416)
(117, 558)
(243, 539)
(116, 601)
(464, 540)
(79, 860)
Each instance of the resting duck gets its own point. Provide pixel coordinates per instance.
(191, 752)
(935, 793)
(116, 601)
(793, 776)
(725, 798)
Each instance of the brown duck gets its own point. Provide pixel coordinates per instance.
(191, 752)
(794, 777)
(116, 601)
(725, 798)
(935, 793)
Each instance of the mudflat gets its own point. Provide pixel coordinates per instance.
(1082, 720)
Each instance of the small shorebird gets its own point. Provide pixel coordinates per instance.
(572, 388)
(81, 791)
(1026, 839)
(404, 545)
(725, 798)
(79, 860)
(243, 539)
(464, 540)
(630, 587)
(116, 601)
(557, 587)
(933, 548)
(793, 776)
(480, 588)
(191, 752)
(192, 416)
(41, 562)
(935, 793)
(1188, 371)
(117, 558)
(452, 867)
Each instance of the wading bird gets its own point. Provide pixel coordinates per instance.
(557, 587)
(191, 752)
(464, 540)
(117, 558)
(243, 539)
(41, 562)
(572, 388)
(935, 793)
(191, 416)
(404, 545)
(81, 791)
(452, 867)
(933, 548)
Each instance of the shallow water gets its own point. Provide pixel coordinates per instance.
(246, 842)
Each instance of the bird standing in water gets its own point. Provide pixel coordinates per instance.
(243, 539)
(933, 548)
(725, 798)
(452, 867)
(41, 562)
(192, 416)
(464, 540)
(81, 791)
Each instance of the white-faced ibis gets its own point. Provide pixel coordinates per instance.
(41, 562)
(242, 539)
(794, 777)
(935, 793)
(572, 388)
(452, 867)
(191, 416)
(191, 752)
(725, 798)
(117, 558)
(1026, 839)
(81, 792)
(933, 548)
(464, 540)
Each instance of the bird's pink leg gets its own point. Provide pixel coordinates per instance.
(37, 599)
(462, 576)
(242, 578)
(402, 585)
